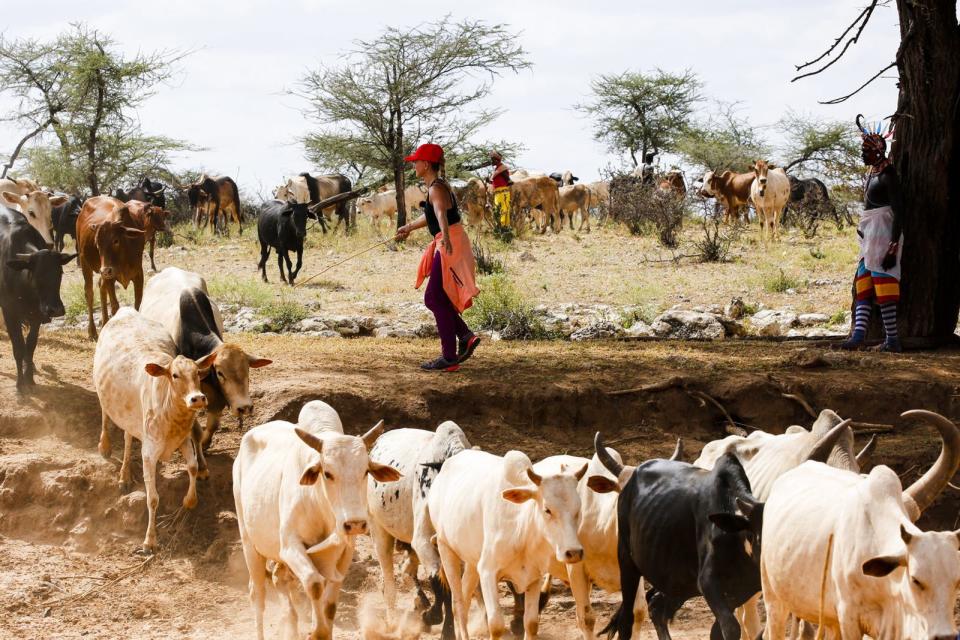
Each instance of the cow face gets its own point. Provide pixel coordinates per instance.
(294, 217)
(37, 208)
(184, 376)
(760, 169)
(706, 189)
(112, 239)
(925, 574)
(558, 508)
(45, 271)
(232, 370)
(341, 474)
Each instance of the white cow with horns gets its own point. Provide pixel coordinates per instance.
(300, 494)
(502, 520)
(841, 548)
(398, 510)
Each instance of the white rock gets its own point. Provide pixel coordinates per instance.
(596, 331)
(811, 319)
(688, 325)
(640, 329)
(773, 322)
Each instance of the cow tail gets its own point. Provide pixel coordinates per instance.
(613, 624)
(236, 200)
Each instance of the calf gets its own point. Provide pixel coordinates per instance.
(153, 395)
(283, 226)
(575, 198)
(110, 243)
(300, 495)
(841, 548)
(30, 278)
(398, 510)
(35, 205)
(501, 519)
(732, 191)
(178, 300)
(152, 219)
(64, 217)
(769, 193)
(689, 532)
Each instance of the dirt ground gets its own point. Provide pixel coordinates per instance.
(68, 569)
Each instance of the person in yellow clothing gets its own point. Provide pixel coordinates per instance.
(500, 179)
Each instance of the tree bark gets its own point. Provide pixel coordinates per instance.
(92, 181)
(927, 156)
(398, 184)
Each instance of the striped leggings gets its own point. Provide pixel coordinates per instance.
(886, 289)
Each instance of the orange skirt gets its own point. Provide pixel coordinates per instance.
(459, 268)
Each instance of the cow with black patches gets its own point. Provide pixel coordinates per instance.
(398, 511)
(179, 301)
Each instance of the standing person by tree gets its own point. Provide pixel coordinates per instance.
(500, 180)
(646, 171)
(448, 262)
(880, 237)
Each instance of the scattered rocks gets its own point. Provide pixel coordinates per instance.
(773, 322)
(688, 325)
(640, 329)
(596, 331)
(812, 319)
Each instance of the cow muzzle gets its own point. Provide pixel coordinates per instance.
(355, 527)
(52, 310)
(107, 273)
(196, 401)
(244, 409)
(573, 556)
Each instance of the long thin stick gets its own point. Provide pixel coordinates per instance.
(347, 259)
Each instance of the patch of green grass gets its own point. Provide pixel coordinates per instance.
(487, 262)
(242, 293)
(781, 282)
(74, 302)
(282, 314)
(750, 309)
(501, 307)
(840, 317)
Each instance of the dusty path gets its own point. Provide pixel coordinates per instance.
(65, 529)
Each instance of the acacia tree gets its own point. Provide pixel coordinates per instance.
(79, 94)
(725, 140)
(635, 112)
(926, 153)
(403, 87)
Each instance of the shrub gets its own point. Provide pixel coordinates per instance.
(717, 239)
(781, 282)
(487, 263)
(840, 317)
(282, 315)
(74, 302)
(501, 307)
(645, 209)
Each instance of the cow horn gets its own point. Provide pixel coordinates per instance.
(864, 456)
(371, 436)
(821, 450)
(310, 440)
(921, 493)
(678, 451)
(24, 256)
(604, 456)
(534, 477)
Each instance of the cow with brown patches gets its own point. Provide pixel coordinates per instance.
(152, 219)
(732, 191)
(179, 301)
(110, 242)
(35, 205)
(216, 194)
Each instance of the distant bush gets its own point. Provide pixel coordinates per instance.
(644, 209)
(282, 315)
(501, 307)
(781, 282)
(487, 263)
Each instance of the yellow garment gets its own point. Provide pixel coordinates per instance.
(501, 199)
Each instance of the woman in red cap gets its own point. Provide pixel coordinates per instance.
(448, 262)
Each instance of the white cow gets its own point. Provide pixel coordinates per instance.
(502, 520)
(765, 457)
(153, 395)
(398, 510)
(770, 192)
(841, 548)
(179, 301)
(384, 204)
(295, 191)
(300, 495)
(35, 205)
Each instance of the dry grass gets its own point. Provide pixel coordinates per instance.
(607, 266)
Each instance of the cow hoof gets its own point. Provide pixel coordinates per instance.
(516, 627)
(189, 502)
(145, 550)
(125, 486)
(203, 474)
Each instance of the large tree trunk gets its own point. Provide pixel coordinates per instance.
(927, 156)
(399, 185)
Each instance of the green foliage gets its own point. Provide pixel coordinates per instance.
(501, 307)
(724, 141)
(487, 263)
(840, 317)
(282, 315)
(781, 282)
(636, 113)
(80, 94)
(827, 148)
(74, 302)
(404, 81)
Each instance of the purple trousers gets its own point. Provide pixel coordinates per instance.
(450, 325)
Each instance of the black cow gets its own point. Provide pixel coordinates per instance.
(150, 191)
(65, 221)
(323, 187)
(688, 532)
(29, 287)
(283, 226)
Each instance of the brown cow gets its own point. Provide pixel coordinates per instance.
(214, 195)
(110, 242)
(472, 198)
(575, 198)
(152, 219)
(539, 194)
(672, 182)
(732, 191)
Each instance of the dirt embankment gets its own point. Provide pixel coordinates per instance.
(66, 529)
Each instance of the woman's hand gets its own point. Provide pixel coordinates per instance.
(402, 233)
(447, 245)
(890, 260)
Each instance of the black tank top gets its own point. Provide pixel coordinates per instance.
(876, 194)
(453, 213)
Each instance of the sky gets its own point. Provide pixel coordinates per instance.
(230, 95)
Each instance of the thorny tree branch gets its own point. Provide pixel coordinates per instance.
(860, 88)
(862, 20)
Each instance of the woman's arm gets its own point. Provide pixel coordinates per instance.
(891, 183)
(440, 199)
(499, 169)
(406, 229)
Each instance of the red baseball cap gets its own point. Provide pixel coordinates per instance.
(429, 152)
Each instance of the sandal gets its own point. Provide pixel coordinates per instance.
(441, 364)
(466, 348)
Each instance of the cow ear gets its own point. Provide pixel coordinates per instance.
(883, 565)
(18, 264)
(56, 201)
(602, 484)
(130, 232)
(382, 472)
(156, 370)
(518, 495)
(207, 361)
(256, 363)
(11, 198)
(67, 257)
(582, 472)
(730, 522)
(311, 474)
